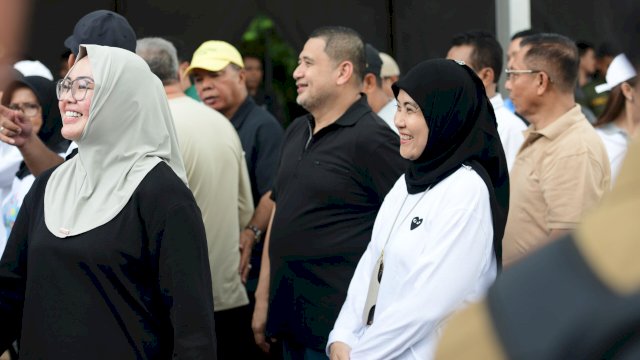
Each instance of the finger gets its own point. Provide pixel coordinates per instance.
(6, 112)
(245, 273)
(7, 139)
(10, 125)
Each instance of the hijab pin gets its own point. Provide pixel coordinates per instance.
(64, 231)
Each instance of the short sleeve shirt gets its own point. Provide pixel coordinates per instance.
(261, 138)
(328, 191)
(560, 172)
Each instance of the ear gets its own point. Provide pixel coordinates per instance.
(369, 83)
(543, 82)
(71, 60)
(181, 69)
(242, 76)
(627, 91)
(345, 72)
(487, 76)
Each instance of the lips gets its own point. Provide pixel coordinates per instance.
(71, 116)
(210, 100)
(404, 138)
(300, 87)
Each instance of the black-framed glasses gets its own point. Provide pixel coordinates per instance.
(78, 87)
(28, 109)
(512, 72)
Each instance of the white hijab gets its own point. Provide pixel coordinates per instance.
(128, 132)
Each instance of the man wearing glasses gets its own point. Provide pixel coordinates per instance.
(562, 169)
(481, 51)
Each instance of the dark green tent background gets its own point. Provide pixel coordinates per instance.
(410, 30)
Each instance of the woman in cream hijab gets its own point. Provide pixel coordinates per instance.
(108, 258)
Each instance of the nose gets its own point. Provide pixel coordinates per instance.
(297, 72)
(507, 84)
(398, 119)
(66, 96)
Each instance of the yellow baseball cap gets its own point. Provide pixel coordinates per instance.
(214, 55)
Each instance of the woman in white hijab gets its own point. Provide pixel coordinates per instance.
(108, 258)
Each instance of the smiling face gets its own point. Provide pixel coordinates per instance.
(412, 127)
(315, 75)
(75, 114)
(24, 97)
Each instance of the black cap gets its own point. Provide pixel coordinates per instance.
(374, 62)
(102, 27)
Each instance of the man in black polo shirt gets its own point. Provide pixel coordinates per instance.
(337, 164)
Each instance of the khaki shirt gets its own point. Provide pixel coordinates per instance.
(218, 178)
(560, 172)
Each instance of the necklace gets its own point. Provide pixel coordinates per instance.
(378, 268)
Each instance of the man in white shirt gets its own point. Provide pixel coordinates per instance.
(481, 51)
(379, 101)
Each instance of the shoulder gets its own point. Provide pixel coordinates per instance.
(579, 139)
(162, 188)
(464, 188)
(371, 132)
(263, 120)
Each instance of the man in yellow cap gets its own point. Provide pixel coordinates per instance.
(220, 79)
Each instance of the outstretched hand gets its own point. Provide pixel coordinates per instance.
(15, 128)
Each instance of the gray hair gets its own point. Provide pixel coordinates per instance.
(161, 56)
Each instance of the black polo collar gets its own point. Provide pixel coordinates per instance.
(350, 117)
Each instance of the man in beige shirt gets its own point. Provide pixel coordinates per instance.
(218, 177)
(562, 169)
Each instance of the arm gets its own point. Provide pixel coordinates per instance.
(259, 321)
(13, 271)
(260, 220)
(185, 282)
(436, 285)
(18, 132)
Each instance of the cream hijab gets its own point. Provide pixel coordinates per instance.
(128, 132)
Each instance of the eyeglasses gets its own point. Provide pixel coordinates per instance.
(78, 87)
(29, 109)
(511, 72)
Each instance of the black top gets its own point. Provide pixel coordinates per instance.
(328, 191)
(137, 287)
(553, 305)
(261, 138)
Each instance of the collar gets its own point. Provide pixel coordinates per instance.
(561, 124)
(243, 112)
(496, 101)
(358, 109)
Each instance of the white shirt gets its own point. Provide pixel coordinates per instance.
(510, 129)
(429, 271)
(616, 142)
(10, 159)
(387, 113)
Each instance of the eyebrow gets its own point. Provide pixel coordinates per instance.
(410, 103)
(307, 58)
(80, 77)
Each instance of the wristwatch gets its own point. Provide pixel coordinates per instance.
(256, 232)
